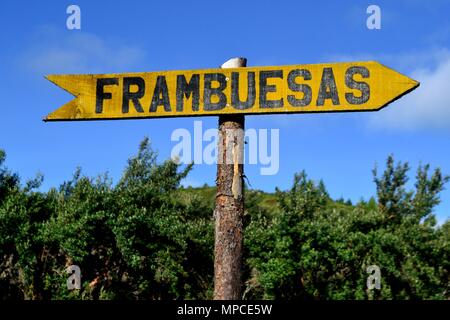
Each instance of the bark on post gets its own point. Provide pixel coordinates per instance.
(229, 206)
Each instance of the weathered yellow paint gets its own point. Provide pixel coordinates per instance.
(386, 85)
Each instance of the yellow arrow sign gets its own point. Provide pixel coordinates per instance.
(332, 87)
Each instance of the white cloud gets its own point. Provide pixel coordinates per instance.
(55, 51)
(426, 107)
(404, 62)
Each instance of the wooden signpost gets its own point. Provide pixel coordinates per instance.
(230, 93)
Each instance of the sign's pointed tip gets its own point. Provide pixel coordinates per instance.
(52, 78)
(69, 111)
(414, 84)
(47, 118)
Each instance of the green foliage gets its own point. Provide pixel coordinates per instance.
(140, 239)
(147, 237)
(319, 249)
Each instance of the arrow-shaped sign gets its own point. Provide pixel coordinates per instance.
(333, 87)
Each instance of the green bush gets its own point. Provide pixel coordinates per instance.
(147, 237)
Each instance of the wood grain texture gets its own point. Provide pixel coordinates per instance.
(229, 206)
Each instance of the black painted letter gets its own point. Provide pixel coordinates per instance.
(294, 86)
(361, 86)
(209, 92)
(328, 88)
(133, 96)
(264, 88)
(188, 89)
(100, 95)
(160, 95)
(251, 91)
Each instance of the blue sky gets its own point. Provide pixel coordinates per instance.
(131, 36)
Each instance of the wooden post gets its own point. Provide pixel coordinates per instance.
(229, 206)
